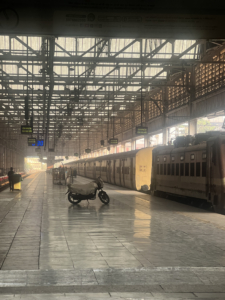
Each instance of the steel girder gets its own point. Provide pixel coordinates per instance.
(93, 79)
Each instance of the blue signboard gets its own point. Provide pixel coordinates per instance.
(40, 143)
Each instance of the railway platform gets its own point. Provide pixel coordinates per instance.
(137, 247)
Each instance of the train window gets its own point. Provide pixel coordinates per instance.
(164, 159)
(204, 169)
(164, 169)
(203, 155)
(172, 158)
(168, 169)
(157, 159)
(182, 157)
(125, 170)
(192, 156)
(198, 169)
(161, 169)
(158, 169)
(192, 169)
(177, 170)
(182, 169)
(186, 169)
(173, 169)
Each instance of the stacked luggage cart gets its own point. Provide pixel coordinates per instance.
(62, 176)
(17, 178)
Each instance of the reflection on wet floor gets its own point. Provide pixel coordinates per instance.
(136, 240)
(42, 230)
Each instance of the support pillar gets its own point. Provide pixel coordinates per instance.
(146, 141)
(8, 159)
(1, 160)
(122, 147)
(133, 144)
(192, 127)
(14, 161)
(165, 136)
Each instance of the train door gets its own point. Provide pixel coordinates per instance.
(79, 169)
(84, 169)
(131, 173)
(108, 171)
(114, 172)
(212, 171)
(118, 171)
(94, 170)
(123, 172)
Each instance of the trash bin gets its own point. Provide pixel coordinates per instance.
(17, 181)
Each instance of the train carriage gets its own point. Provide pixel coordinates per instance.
(128, 169)
(196, 171)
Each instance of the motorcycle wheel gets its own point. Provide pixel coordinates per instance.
(73, 201)
(103, 197)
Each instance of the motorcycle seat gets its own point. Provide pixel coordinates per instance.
(83, 189)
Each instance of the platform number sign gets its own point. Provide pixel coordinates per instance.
(40, 143)
(141, 130)
(113, 141)
(25, 129)
(31, 141)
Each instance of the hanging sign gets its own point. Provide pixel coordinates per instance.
(26, 129)
(113, 141)
(31, 141)
(87, 150)
(141, 130)
(76, 154)
(40, 143)
(102, 143)
(51, 150)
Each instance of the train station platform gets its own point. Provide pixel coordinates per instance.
(137, 247)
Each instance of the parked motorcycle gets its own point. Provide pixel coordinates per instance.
(78, 192)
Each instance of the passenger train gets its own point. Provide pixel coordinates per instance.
(130, 169)
(193, 167)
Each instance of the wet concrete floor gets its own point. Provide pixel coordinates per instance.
(137, 247)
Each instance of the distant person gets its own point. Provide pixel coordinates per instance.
(10, 176)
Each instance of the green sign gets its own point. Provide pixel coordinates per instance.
(31, 141)
(26, 129)
(88, 150)
(141, 130)
(113, 141)
(76, 154)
